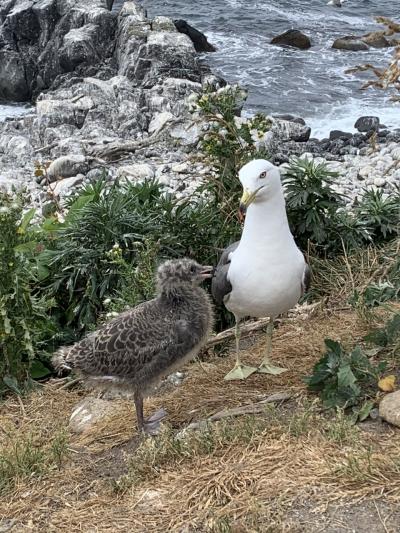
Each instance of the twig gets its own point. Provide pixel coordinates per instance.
(69, 384)
(230, 333)
(21, 406)
(380, 518)
(117, 149)
(258, 407)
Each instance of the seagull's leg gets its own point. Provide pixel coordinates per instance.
(150, 425)
(239, 371)
(139, 410)
(266, 366)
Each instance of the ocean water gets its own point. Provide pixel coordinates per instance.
(311, 83)
(13, 110)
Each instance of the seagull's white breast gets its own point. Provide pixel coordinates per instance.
(265, 281)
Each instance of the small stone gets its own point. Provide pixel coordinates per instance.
(62, 187)
(379, 182)
(180, 168)
(389, 408)
(66, 167)
(88, 412)
(136, 172)
(374, 414)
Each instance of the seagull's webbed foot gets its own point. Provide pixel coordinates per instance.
(267, 367)
(240, 371)
(152, 426)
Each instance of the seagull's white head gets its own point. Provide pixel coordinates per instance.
(261, 180)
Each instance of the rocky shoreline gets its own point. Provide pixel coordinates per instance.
(113, 90)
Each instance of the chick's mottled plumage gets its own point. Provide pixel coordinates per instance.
(139, 347)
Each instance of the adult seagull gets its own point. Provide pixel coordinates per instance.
(264, 274)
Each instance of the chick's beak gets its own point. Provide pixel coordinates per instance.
(207, 272)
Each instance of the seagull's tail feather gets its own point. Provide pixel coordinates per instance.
(60, 359)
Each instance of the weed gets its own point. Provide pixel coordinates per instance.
(24, 458)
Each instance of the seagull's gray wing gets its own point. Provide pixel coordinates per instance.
(306, 279)
(220, 285)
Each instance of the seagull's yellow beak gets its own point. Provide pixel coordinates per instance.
(247, 199)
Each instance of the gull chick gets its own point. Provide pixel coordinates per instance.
(143, 345)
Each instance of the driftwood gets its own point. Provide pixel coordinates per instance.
(250, 409)
(115, 150)
(229, 334)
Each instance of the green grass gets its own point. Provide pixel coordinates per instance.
(22, 459)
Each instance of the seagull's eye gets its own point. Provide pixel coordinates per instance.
(263, 175)
(192, 268)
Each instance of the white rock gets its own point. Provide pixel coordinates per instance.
(389, 408)
(366, 171)
(159, 120)
(66, 167)
(19, 146)
(62, 187)
(180, 167)
(307, 155)
(88, 412)
(396, 153)
(136, 172)
(379, 182)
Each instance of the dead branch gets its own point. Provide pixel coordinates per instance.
(229, 334)
(250, 409)
(116, 149)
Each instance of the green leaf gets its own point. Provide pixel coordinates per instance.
(365, 410)
(26, 220)
(345, 377)
(38, 370)
(12, 384)
(393, 328)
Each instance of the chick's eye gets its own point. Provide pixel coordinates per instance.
(192, 268)
(263, 175)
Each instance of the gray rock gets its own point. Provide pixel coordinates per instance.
(63, 187)
(294, 38)
(136, 172)
(88, 412)
(285, 130)
(163, 24)
(199, 40)
(350, 43)
(337, 134)
(66, 167)
(389, 408)
(367, 124)
(43, 40)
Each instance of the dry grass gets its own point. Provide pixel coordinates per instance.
(279, 471)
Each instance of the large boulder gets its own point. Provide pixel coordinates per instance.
(351, 43)
(366, 124)
(199, 40)
(41, 40)
(294, 38)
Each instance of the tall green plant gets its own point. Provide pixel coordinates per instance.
(23, 317)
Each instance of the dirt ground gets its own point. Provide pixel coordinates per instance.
(297, 472)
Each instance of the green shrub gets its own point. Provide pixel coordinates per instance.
(99, 251)
(380, 214)
(24, 322)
